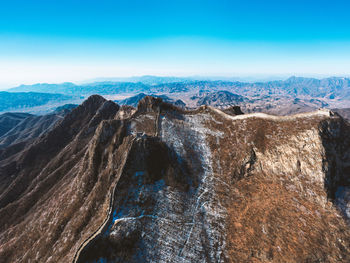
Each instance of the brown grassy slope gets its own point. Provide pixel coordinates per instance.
(276, 186)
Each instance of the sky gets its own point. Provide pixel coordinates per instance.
(71, 40)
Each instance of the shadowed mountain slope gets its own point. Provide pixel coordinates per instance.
(163, 184)
(29, 128)
(11, 119)
(345, 113)
(26, 131)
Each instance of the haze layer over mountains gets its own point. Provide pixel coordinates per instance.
(293, 95)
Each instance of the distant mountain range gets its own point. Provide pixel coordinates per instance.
(155, 80)
(293, 95)
(147, 79)
(331, 88)
(102, 88)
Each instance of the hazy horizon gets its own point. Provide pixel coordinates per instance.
(242, 78)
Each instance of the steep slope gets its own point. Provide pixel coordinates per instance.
(11, 119)
(162, 184)
(28, 129)
(51, 187)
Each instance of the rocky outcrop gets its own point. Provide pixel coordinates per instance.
(162, 184)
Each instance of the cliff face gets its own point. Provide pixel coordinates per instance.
(161, 184)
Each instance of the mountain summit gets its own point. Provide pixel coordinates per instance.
(158, 183)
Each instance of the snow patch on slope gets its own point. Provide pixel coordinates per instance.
(208, 215)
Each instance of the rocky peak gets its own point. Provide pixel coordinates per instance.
(93, 100)
(149, 104)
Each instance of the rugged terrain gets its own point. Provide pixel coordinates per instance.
(158, 183)
(278, 97)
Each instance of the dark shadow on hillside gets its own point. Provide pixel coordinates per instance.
(335, 136)
(151, 167)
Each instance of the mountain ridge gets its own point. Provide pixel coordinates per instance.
(129, 188)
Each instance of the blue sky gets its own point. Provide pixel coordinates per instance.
(60, 40)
